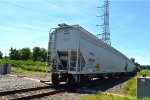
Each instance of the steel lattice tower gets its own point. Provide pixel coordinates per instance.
(105, 36)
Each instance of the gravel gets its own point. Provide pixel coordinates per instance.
(13, 82)
(64, 96)
(117, 87)
(8, 82)
(43, 76)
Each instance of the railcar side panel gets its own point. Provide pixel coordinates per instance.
(66, 39)
(95, 56)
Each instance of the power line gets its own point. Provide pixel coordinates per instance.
(40, 12)
(82, 2)
(37, 11)
(43, 13)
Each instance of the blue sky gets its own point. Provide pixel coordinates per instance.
(26, 23)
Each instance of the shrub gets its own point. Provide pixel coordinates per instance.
(26, 65)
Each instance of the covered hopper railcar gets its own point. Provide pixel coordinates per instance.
(76, 55)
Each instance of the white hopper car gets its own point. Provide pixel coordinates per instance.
(76, 55)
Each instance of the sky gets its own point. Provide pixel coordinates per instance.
(26, 23)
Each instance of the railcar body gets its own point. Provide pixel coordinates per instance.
(77, 54)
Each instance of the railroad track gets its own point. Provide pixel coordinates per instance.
(30, 93)
(41, 92)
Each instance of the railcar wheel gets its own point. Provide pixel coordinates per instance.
(71, 83)
(55, 78)
(85, 80)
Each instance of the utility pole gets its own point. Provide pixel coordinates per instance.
(105, 36)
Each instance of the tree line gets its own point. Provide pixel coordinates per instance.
(142, 67)
(36, 54)
(40, 54)
(135, 63)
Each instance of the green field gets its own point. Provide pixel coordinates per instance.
(20, 66)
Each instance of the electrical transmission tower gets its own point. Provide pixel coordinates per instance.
(105, 36)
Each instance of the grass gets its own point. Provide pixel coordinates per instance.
(104, 96)
(18, 63)
(129, 91)
(33, 68)
(20, 66)
(19, 71)
(143, 72)
(144, 99)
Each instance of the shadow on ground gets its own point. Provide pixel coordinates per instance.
(95, 85)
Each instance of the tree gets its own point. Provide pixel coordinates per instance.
(39, 54)
(133, 60)
(43, 54)
(14, 54)
(36, 54)
(1, 55)
(136, 64)
(25, 53)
